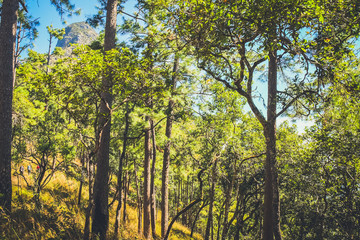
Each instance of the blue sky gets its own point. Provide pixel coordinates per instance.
(47, 15)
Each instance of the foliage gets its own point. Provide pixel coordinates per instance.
(223, 49)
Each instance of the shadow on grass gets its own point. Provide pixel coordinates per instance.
(50, 222)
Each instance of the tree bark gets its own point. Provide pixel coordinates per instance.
(147, 180)
(119, 177)
(186, 201)
(210, 214)
(139, 205)
(269, 226)
(126, 191)
(82, 176)
(227, 206)
(276, 204)
(90, 166)
(152, 184)
(7, 77)
(210, 219)
(101, 188)
(119, 195)
(166, 159)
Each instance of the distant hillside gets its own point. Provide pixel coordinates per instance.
(77, 33)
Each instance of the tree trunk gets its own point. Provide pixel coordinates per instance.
(211, 206)
(7, 77)
(152, 184)
(186, 201)
(219, 218)
(80, 190)
(139, 205)
(119, 195)
(126, 190)
(166, 159)
(276, 203)
(82, 176)
(119, 177)
(227, 207)
(209, 219)
(147, 180)
(239, 217)
(101, 188)
(49, 54)
(89, 209)
(271, 227)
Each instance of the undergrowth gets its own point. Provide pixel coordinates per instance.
(60, 216)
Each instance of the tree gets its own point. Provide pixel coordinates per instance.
(8, 26)
(232, 41)
(166, 158)
(331, 161)
(101, 187)
(26, 34)
(7, 76)
(53, 33)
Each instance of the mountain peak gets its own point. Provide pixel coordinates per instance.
(77, 33)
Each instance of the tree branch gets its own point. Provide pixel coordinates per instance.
(23, 5)
(291, 102)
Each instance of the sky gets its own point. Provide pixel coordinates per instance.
(47, 15)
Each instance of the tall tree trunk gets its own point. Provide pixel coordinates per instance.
(138, 193)
(101, 188)
(152, 184)
(270, 225)
(237, 215)
(227, 207)
(209, 224)
(7, 77)
(147, 180)
(276, 203)
(82, 176)
(49, 53)
(126, 191)
(90, 166)
(219, 220)
(119, 177)
(166, 159)
(186, 201)
(119, 195)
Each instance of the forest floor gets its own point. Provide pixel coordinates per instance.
(60, 216)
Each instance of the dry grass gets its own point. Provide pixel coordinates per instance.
(61, 218)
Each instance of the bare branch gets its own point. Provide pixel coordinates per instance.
(219, 79)
(252, 157)
(133, 16)
(23, 5)
(292, 101)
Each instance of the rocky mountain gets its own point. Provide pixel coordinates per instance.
(77, 33)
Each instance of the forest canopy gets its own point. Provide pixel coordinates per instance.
(188, 129)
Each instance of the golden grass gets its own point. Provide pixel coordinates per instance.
(61, 217)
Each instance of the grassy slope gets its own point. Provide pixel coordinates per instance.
(60, 216)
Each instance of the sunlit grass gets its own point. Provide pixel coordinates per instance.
(60, 216)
